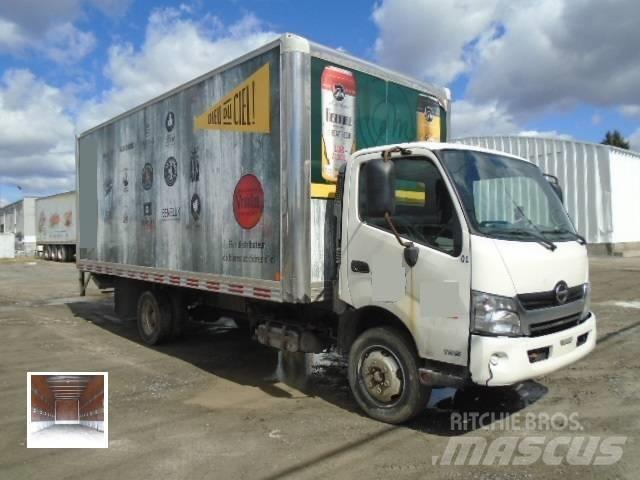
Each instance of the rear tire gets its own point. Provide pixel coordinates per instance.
(154, 317)
(383, 375)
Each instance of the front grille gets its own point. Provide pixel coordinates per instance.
(535, 301)
(556, 325)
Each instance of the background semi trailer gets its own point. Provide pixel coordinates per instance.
(56, 227)
(242, 192)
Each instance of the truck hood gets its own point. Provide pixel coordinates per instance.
(509, 268)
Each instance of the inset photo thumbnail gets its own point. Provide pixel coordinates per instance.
(67, 410)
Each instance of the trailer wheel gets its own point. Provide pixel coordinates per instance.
(63, 253)
(383, 375)
(154, 317)
(46, 253)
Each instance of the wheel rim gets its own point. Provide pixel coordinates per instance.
(149, 318)
(382, 375)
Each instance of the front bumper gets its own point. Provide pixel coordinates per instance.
(496, 361)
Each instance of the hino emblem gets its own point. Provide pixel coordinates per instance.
(562, 292)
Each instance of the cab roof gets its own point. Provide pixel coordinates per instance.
(436, 146)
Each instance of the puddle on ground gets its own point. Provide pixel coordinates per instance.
(311, 370)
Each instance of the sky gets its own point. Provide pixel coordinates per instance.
(568, 68)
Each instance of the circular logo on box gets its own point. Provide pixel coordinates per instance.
(196, 206)
(248, 201)
(147, 176)
(170, 171)
(170, 121)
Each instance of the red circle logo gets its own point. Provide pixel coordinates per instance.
(248, 201)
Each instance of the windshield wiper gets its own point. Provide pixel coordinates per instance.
(542, 240)
(579, 238)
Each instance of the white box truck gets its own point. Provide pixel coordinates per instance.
(56, 227)
(428, 263)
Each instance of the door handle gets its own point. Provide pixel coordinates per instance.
(358, 266)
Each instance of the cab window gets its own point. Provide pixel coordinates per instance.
(424, 210)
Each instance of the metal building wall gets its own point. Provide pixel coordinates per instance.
(19, 218)
(625, 186)
(583, 170)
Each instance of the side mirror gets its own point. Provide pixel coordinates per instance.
(555, 184)
(381, 194)
(411, 255)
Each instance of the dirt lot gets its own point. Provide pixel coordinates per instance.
(217, 405)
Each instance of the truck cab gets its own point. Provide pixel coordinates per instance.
(466, 269)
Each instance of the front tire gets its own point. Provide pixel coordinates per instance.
(154, 318)
(383, 375)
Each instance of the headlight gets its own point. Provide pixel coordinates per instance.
(495, 315)
(587, 300)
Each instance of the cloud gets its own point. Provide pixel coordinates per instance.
(10, 36)
(630, 110)
(36, 135)
(429, 38)
(37, 125)
(472, 119)
(517, 62)
(177, 48)
(66, 44)
(558, 53)
(30, 26)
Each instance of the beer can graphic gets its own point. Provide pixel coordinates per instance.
(428, 119)
(338, 100)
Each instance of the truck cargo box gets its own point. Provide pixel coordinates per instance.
(56, 219)
(225, 183)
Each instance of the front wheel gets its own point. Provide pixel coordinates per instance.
(383, 375)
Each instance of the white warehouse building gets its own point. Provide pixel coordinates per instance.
(19, 218)
(601, 185)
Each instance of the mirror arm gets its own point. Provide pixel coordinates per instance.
(386, 155)
(395, 232)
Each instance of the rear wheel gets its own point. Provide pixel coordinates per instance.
(46, 252)
(63, 253)
(383, 375)
(154, 317)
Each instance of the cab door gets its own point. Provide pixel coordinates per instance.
(432, 298)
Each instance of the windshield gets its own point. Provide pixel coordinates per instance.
(506, 197)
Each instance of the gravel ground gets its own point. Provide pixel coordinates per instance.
(217, 405)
